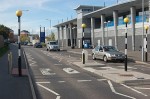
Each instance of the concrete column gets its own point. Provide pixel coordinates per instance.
(92, 30)
(115, 17)
(133, 14)
(102, 28)
(71, 39)
(58, 31)
(62, 33)
(67, 36)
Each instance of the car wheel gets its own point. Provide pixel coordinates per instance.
(93, 57)
(105, 59)
(47, 49)
(58, 49)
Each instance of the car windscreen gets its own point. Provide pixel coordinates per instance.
(53, 43)
(109, 48)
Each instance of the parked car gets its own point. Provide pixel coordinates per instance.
(107, 53)
(30, 44)
(52, 45)
(37, 45)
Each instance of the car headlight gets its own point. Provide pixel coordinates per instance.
(108, 55)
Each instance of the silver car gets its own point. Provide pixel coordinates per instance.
(107, 53)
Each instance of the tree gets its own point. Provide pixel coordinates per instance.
(4, 31)
(52, 36)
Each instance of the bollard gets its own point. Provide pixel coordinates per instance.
(8, 62)
(83, 58)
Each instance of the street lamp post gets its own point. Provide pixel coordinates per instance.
(126, 20)
(19, 14)
(146, 58)
(83, 54)
(50, 24)
(107, 31)
(83, 26)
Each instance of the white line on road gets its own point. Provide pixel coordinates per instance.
(42, 82)
(61, 81)
(101, 79)
(84, 80)
(58, 96)
(57, 64)
(70, 71)
(134, 90)
(113, 90)
(141, 88)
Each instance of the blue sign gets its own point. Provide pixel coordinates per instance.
(42, 37)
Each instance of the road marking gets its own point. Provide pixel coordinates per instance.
(84, 80)
(58, 96)
(140, 88)
(134, 90)
(70, 71)
(42, 82)
(57, 64)
(33, 63)
(61, 81)
(46, 71)
(113, 90)
(101, 79)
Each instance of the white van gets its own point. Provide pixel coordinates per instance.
(52, 45)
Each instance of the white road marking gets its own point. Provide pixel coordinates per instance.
(113, 90)
(42, 82)
(84, 80)
(33, 63)
(57, 64)
(46, 71)
(58, 96)
(70, 71)
(101, 79)
(134, 90)
(141, 88)
(61, 81)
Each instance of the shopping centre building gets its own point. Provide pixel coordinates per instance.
(105, 26)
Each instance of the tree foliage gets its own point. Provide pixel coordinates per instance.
(4, 31)
(52, 37)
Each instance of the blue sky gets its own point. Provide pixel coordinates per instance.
(40, 10)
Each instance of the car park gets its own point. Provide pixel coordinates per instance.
(52, 45)
(107, 53)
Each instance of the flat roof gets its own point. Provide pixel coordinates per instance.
(120, 7)
(108, 11)
(67, 22)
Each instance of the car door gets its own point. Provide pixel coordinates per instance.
(96, 51)
(100, 53)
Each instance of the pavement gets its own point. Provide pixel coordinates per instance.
(118, 75)
(13, 86)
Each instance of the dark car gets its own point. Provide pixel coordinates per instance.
(37, 45)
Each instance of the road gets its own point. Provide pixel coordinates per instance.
(55, 77)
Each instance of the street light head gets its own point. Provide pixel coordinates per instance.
(126, 20)
(146, 27)
(18, 13)
(83, 25)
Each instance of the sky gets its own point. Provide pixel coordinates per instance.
(40, 10)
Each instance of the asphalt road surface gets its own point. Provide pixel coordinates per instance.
(55, 77)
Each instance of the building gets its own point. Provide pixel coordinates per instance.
(105, 26)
